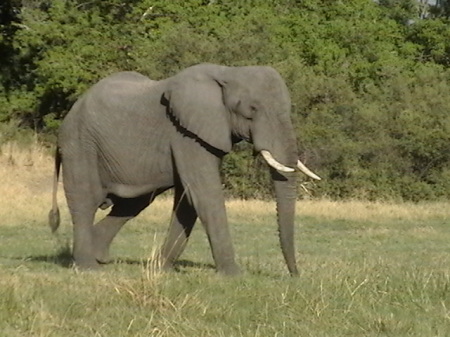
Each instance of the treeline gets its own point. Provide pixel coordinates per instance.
(369, 79)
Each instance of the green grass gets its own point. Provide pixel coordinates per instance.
(359, 278)
(368, 269)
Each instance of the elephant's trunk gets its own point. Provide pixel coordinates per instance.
(281, 153)
(285, 191)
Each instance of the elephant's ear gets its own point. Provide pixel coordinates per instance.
(197, 105)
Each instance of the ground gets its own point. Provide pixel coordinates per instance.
(367, 269)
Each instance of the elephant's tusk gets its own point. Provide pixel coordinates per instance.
(307, 171)
(274, 163)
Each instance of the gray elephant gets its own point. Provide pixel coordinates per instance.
(128, 139)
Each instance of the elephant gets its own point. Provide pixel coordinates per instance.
(127, 139)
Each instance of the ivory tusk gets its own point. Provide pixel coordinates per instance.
(307, 171)
(274, 163)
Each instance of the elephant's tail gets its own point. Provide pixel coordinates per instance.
(53, 215)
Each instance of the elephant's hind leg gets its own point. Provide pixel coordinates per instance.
(83, 253)
(84, 194)
(105, 230)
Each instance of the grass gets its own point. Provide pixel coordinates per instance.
(368, 269)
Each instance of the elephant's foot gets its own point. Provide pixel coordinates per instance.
(86, 263)
(232, 270)
(102, 255)
(104, 259)
(101, 244)
(163, 263)
(228, 268)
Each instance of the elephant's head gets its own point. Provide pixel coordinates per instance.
(220, 104)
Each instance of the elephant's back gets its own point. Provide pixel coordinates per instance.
(125, 121)
(123, 90)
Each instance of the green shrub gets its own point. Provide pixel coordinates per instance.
(369, 81)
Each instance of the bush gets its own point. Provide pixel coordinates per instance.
(369, 81)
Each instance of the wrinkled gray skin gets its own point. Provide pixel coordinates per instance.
(128, 139)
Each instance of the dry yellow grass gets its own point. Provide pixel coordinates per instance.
(26, 183)
(26, 174)
(374, 211)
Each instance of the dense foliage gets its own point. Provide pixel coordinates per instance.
(369, 79)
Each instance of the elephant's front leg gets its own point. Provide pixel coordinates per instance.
(213, 216)
(182, 223)
(198, 170)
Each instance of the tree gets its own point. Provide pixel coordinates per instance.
(441, 9)
(368, 80)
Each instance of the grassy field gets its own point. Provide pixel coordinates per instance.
(368, 269)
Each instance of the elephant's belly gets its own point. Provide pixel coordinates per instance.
(132, 191)
(131, 182)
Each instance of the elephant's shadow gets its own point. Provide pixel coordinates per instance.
(178, 265)
(63, 257)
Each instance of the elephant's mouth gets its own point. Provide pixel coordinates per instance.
(271, 161)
